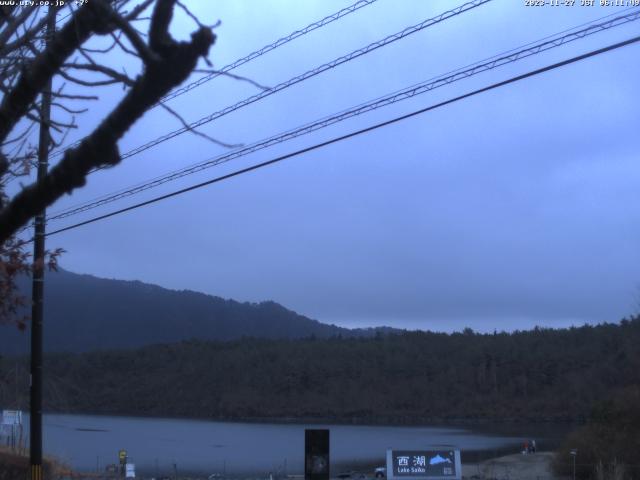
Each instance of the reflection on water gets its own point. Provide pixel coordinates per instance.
(153, 444)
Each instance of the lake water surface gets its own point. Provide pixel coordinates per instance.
(88, 442)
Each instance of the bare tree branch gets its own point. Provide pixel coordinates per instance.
(14, 24)
(69, 110)
(196, 132)
(117, 41)
(29, 60)
(115, 76)
(141, 47)
(235, 77)
(86, 83)
(191, 15)
(133, 15)
(5, 13)
(88, 19)
(102, 50)
(74, 97)
(159, 38)
(20, 136)
(26, 37)
(176, 61)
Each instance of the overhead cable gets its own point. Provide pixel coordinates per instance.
(268, 48)
(247, 58)
(354, 134)
(410, 92)
(309, 74)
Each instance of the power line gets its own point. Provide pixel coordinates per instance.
(410, 92)
(253, 55)
(355, 133)
(309, 74)
(268, 48)
(363, 108)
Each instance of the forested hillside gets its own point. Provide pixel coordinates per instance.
(540, 374)
(86, 313)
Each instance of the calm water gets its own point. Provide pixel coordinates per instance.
(87, 442)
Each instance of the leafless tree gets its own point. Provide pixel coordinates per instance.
(29, 60)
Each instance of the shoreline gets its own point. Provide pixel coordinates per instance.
(383, 421)
(515, 466)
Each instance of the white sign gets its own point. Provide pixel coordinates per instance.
(11, 417)
(130, 470)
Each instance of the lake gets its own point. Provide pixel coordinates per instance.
(89, 442)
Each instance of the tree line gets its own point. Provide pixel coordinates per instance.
(539, 375)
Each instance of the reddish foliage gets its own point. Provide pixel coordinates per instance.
(14, 261)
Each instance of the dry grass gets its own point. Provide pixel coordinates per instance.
(14, 464)
(513, 467)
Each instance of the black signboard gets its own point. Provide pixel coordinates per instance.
(423, 464)
(316, 454)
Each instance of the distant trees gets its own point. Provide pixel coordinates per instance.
(554, 375)
(608, 447)
(29, 61)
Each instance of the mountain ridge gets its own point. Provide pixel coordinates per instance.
(84, 312)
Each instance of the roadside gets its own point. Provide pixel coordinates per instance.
(535, 466)
(14, 464)
(509, 467)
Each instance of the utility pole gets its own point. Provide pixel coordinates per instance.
(37, 291)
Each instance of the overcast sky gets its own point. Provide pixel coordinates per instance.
(515, 208)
